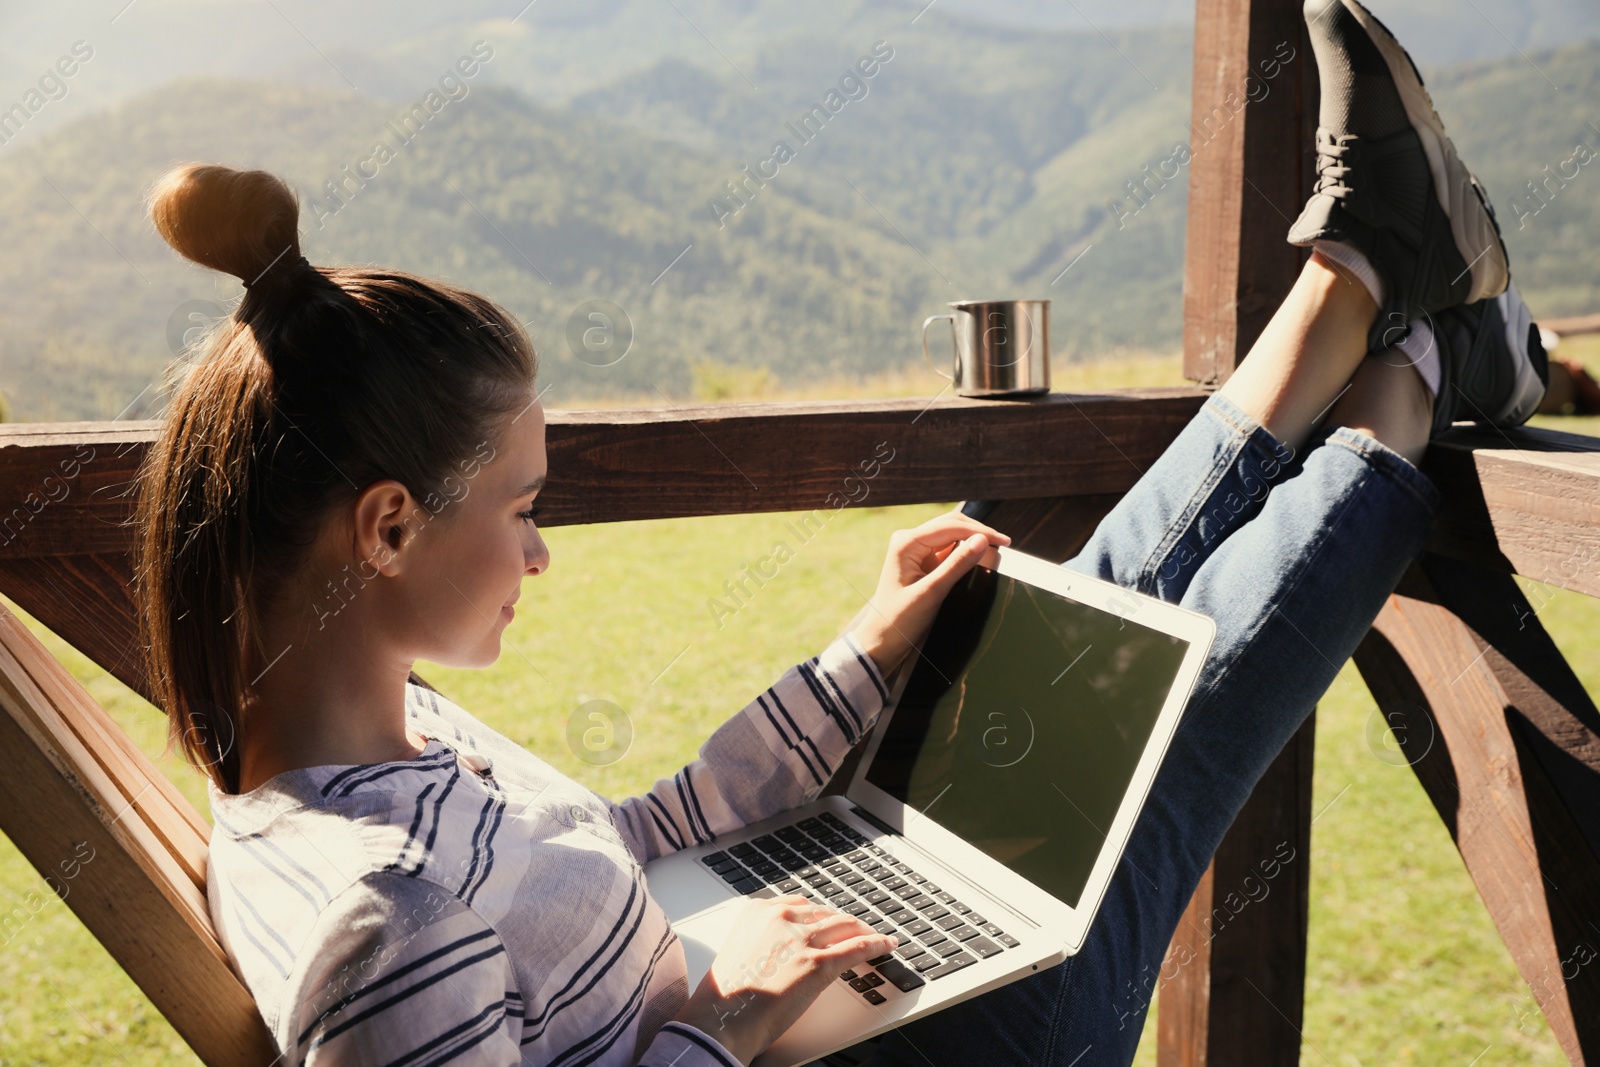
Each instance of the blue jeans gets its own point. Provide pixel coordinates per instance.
(1293, 556)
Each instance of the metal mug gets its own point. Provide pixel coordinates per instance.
(1002, 347)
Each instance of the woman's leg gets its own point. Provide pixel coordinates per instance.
(1293, 591)
(1216, 474)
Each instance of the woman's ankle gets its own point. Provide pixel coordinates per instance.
(1388, 401)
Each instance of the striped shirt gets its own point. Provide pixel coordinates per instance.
(474, 905)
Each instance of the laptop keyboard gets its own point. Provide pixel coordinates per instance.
(826, 860)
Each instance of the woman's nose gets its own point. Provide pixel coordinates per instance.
(538, 556)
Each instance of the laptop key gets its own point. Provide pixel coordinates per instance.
(810, 824)
(927, 963)
(929, 887)
(920, 879)
(893, 883)
(872, 996)
(945, 897)
(989, 928)
(855, 907)
(906, 892)
(900, 976)
(938, 911)
(910, 950)
(851, 877)
(877, 896)
(815, 880)
(901, 918)
(945, 948)
(829, 890)
(974, 918)
(920, 901)
(963, 933)
(883, 927)
(874, 961)
(1007, 940)
(788, 885)
(838, 868)
(933, 937)
(918, 926)
(949, 922)
(848, 975)
(983, 947)
(952, 965)
(956, 905)
(860, 985)
(790, 834)
(743, 848)
(745, 885)
(734, 874)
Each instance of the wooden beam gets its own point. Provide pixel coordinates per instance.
(120, 847)
(65, 489)
(84, 600)
(1233, 983)
(1506, 743)
(1523, 500)
(1253, 113)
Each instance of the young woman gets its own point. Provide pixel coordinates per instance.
(348, 483)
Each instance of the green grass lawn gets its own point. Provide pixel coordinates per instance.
(1405, 965)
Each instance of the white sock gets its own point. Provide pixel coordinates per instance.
(1418, 346)
(1352, 259)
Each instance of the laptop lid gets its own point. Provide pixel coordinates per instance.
(1029, 730)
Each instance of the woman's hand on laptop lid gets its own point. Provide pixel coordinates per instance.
(781, 953)
(922, 564)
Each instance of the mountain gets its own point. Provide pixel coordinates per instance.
(996, 163)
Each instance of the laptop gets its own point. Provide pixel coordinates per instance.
(989, 808)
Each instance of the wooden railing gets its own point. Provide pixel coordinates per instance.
(1458, 654)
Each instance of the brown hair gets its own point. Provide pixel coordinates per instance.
(323, 381)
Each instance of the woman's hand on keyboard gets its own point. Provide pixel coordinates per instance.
(922, 565)
(780, 955)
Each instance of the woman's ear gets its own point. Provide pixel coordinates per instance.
(384, 517)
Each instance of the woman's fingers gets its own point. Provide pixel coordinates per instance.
(940, 530)
(831, 929)
(855, 950)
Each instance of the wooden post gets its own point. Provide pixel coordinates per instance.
(1236, 990)
(1507, 745)
(1253, 116)
(1240, 998)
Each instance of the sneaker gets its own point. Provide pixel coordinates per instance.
(1492, 363)
(1389, 182)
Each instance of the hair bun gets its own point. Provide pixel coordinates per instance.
(236, 221)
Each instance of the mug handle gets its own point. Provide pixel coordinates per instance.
(929, 321)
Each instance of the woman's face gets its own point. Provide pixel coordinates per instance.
(466, 570)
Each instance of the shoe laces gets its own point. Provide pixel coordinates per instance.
(1332, 168)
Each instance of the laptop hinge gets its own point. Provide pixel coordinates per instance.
(874, 820)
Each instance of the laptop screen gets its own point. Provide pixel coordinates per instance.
(1022, 724)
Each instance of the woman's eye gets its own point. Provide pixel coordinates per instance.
(530, 515)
